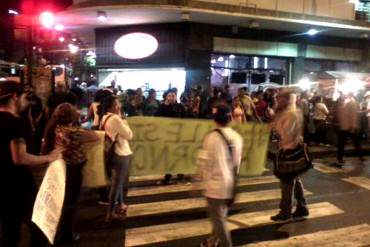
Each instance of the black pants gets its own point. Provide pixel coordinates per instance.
(342, 137)
(320, 131)
(290, 187)
(73, 189)
(18, 194)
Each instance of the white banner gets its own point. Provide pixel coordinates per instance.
(49, 201)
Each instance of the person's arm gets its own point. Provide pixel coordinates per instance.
(21, 157)
(325, 109)
(120, 127)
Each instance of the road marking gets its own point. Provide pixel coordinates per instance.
(188, 187)
(172, 206)
(359, 236)
(327, 169)
(194, 228)
(362, 182)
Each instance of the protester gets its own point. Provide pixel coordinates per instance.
(320, 115)
(151, 104)
(63, 132)
(238, 113)
(288, 126)
(219, 161)
(61, 95)
(348, 116)
(93, 109)
(170, 108)
(248, 106)
(118, 130)
(17, 186)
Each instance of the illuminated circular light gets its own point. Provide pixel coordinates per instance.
(312, 32)
(59, 27)
(61, 39)
(232, 56)
(136, 45)
(47, 19)
(220, 59)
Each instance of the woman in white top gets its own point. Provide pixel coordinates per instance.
(321, 112)
(118, 130)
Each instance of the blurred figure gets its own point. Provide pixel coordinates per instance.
(304, 105)
(63, 132)
(288, 125)
(320, 115)
(238, 115)
(247, 104)
(226, 95)
(61, 95)
(151, 104)
(348, 116)
(219, 161)
(17, 186)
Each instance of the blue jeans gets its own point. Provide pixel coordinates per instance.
(120, 166)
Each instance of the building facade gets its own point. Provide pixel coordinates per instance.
(224, 41)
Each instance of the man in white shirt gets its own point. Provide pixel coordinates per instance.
(320, 115)
(219, 162)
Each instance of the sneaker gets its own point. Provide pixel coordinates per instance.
(281, 217)
(301, 212)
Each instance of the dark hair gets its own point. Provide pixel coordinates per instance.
(8, 89)
(101, 94)
(222, 116)
(106, 105)
(65, 114)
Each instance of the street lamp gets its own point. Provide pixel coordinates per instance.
(47, 19)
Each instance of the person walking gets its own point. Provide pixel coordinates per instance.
(17, 187)
(219, 162)
(118, 130)
(63, 132)
(348, 116)
(288, 126)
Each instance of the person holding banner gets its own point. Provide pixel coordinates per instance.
(118, 130)
(63, 132)
(17, 186)
(219, 161)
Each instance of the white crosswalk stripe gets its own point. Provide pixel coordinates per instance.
(160, 233)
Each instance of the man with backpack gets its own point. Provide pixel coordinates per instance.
(219, 161)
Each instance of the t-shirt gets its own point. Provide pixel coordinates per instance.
(14, 179)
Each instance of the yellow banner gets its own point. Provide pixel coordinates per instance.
(169, 145)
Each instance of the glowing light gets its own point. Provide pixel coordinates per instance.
(220, 59)
(74, 39)
(304, 84)
(354, 2)
(266, 63)
(102, 16)
(136, 45)
(61, 39)
(13, 12)
(255, 62)
(213, 61)
(91, 54)
(62, 66)
(312, 32)
(59, 27)
(351, 85)
(232, 56)
(73, 48)
(47, 19)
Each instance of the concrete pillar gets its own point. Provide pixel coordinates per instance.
(364, 65)
(299, 63)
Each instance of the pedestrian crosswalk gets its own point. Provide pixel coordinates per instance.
(359, 236)
(169, 221)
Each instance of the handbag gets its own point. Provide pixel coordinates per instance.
(292, 163)
(108, 144)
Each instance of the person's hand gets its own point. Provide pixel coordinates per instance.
(56, 154)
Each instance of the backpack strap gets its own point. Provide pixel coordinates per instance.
(228, 143)
(105, 122)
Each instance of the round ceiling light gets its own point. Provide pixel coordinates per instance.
(136, 45)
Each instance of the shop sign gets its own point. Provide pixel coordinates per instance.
(136, 45)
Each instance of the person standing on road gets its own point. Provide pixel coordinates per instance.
(118, 130)
(219, 162)
(348, 116)
(288, 125)
(17, 187)
(320, 115)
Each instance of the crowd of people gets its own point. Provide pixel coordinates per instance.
(35, 133)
